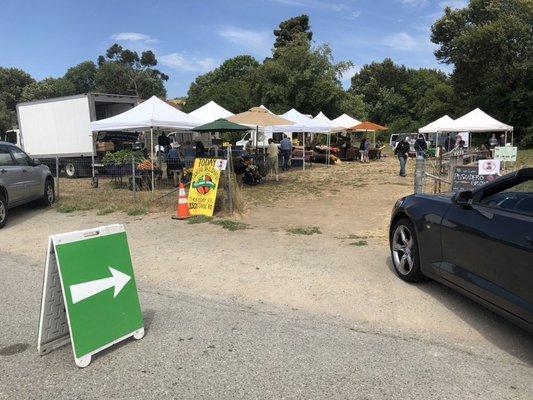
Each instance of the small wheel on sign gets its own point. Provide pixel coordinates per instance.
(83, 361)
(94, 182)
(138, 334)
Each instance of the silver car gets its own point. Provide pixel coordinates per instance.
(22, 180)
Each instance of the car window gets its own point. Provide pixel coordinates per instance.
(5, 156)
(518, 197)
(20, 157)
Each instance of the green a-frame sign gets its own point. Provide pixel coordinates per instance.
(89, 293)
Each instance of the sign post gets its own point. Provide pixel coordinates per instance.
(89, 293)
(204, 186)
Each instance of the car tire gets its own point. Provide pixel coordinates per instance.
(3, 211)
(71, 169)
(404, 251)
(49, 195)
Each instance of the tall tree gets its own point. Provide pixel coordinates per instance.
(490, 45)
(290, 29)
(82, 76)
(403, 98)
(122, 71)
(228, 85)
(48, 88)
(12, 83)
(302, 77)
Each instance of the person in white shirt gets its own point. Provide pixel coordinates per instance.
(273, 158)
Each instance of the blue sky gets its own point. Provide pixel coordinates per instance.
(192, 37)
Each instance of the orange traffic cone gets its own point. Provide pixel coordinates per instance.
(182, 208)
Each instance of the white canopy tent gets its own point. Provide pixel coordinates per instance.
(150, 114)
(302, 123)
(210, 112)
(345, 121)
(433, 127)
(475, 121)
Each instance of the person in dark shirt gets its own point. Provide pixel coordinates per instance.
(200, 149)
(402, 151)
(420, 146)
(173, 164)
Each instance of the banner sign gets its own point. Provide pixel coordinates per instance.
(505, 153)
(488, 167)
(204, 186)
(468, 178)
(89, 293)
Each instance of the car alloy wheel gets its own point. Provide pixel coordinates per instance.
(403, 249)
(50, 196)
(2, 212)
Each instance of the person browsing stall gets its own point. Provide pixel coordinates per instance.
(286, 151)
(273, 160)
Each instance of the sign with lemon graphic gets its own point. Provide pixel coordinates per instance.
(204, 185)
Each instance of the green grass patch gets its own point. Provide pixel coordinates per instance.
(230, 225)
(359, 243)
(107, 210)
(137, 210)
(309, 230)
(68, 207)
(198, 219)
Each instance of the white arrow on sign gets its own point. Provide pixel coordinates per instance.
(81, 291)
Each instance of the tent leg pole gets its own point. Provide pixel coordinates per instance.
(303, 152)
(152, 156)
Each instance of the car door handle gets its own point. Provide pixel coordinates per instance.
(24, 170)
(3, 171)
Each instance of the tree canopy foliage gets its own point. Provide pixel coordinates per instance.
(229, 85)
(490, 45)
(291, 29)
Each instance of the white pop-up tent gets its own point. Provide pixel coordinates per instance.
(345, 121)
(150, 114)
(475, 121)
(210, 112)
(434, 127)
(302, 123)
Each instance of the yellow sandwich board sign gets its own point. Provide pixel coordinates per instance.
(204, 186)
(89, 293)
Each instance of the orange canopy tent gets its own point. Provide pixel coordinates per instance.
(367, 126)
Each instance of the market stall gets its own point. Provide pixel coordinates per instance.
(322, 119)
(151, 114)
(367, 126)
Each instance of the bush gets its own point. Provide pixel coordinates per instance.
(122, 157)
(527, 139)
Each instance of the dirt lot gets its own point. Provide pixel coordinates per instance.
(342, 269)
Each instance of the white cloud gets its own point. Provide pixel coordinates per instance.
(453, 4)
(184, 62)
(347, 75)
(133, 37)
(402, 41)
(352, 15)
(414, 3)
(259, 42)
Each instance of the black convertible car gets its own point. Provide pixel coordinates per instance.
(478, 242)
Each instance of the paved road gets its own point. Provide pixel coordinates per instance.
(203, 348)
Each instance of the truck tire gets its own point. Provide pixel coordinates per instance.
(3, 211)
(71, 169)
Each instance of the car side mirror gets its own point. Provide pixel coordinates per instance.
(463, 199)
(36, 161)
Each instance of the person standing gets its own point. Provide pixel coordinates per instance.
(447, 143)
(501, 140)
(273, 158)
(402, 151)
(493, 141)
(286, 151)
(173, 164)
(362, 147)
(420, 146)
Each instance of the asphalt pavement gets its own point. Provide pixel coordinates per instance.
(208, 348)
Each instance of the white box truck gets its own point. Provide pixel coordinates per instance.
(60, 127)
